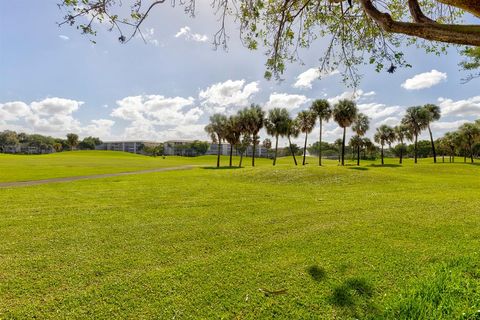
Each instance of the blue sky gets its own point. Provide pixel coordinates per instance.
(54, 81)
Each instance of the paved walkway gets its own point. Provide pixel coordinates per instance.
(93, 176)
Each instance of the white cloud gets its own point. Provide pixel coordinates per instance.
(378, 110)
(305, 79)
(187, 34)
(218, 97)
(424, 80)
(460, 108)
(13, 111)
(63, 37)
(390, 121)
(287, 101)
(351, 95)
(52, 106)
(447, 125)
(99, 128)
(156, 109)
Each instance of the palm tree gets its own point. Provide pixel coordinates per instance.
(384, 134)
(72, 140)
(470, 133)
(360, 126)
(356, 143)
(292, 131)
(338, 143)
(253, 120)
(216, 129)
(306, 122)
(242, 147)
(401, 133)
(277, 125)
(323, 110)
(416, 119)
(233, 132)
(368, 146)
(433, 115)
(451, 140)
(344, 113)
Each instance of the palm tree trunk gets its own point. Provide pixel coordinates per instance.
(320, 145)
(416, 138)
(401, 151)
(382, 154)
(218, 153)
(276, 149)
(231, 154)
(253, 154)
(433, 145)
(358, 155)
(305, 149)
(343, 145)
(291, 150)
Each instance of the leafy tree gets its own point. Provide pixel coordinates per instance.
(233, 133)
(323, 111)
(242, 147)
(267, 144)
(293, 130)
(452, 140)
(383, 135)
(345, 113)
(416, 119)
(216, 129)
(198, 147)
(402, 132)
(252, 121)
(89, 143)
(358, 32)
(470, 133)
(434, 114)
(57, 146)
(360, 127)
(306, 122)
(8, 139)
(72, 140)
(277, 125)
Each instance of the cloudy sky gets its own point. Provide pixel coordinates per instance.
(54, 81)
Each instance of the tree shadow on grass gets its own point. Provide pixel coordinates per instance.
(353, 296)
(387, 165)
(317, 273)
(358, 168)
(220, 168)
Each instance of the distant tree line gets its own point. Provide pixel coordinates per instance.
(13, 142)
(242, 130)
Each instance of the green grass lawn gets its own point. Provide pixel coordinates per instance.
(393, 242)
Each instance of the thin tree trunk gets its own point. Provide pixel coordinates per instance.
(453, 155)
(443, 157)
(358, 155)
(382, 155)
(276, 149)
(241, 159)
(253, 154)
(433, 145)
(343, 146)
(416, 138)
(401, 151)
(291, 150)
(305, 149)
(231, 154)
(218, 153)
(320, 145)
(471, 151)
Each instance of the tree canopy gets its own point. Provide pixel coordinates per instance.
(358, 31)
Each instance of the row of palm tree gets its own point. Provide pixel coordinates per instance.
(242, 129)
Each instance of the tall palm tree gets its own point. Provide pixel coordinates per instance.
(416, 119)
(277, 126)
(233, 132)
(356, 143)
(306, 122)
(451, 140)
(368, 146)
(469, 133)
(344, 113)
(384, 134)
(434, 114)
(323, 110)
(253, 120)
(401, 133)
(360, 126)
(292, 131)
(243, 146)
(216, 129)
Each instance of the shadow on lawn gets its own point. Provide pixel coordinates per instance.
(387, 165)
(317, 273)
(220, 168)
(358, 168)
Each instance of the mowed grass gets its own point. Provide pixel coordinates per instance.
(394, 242)
(79, 163)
